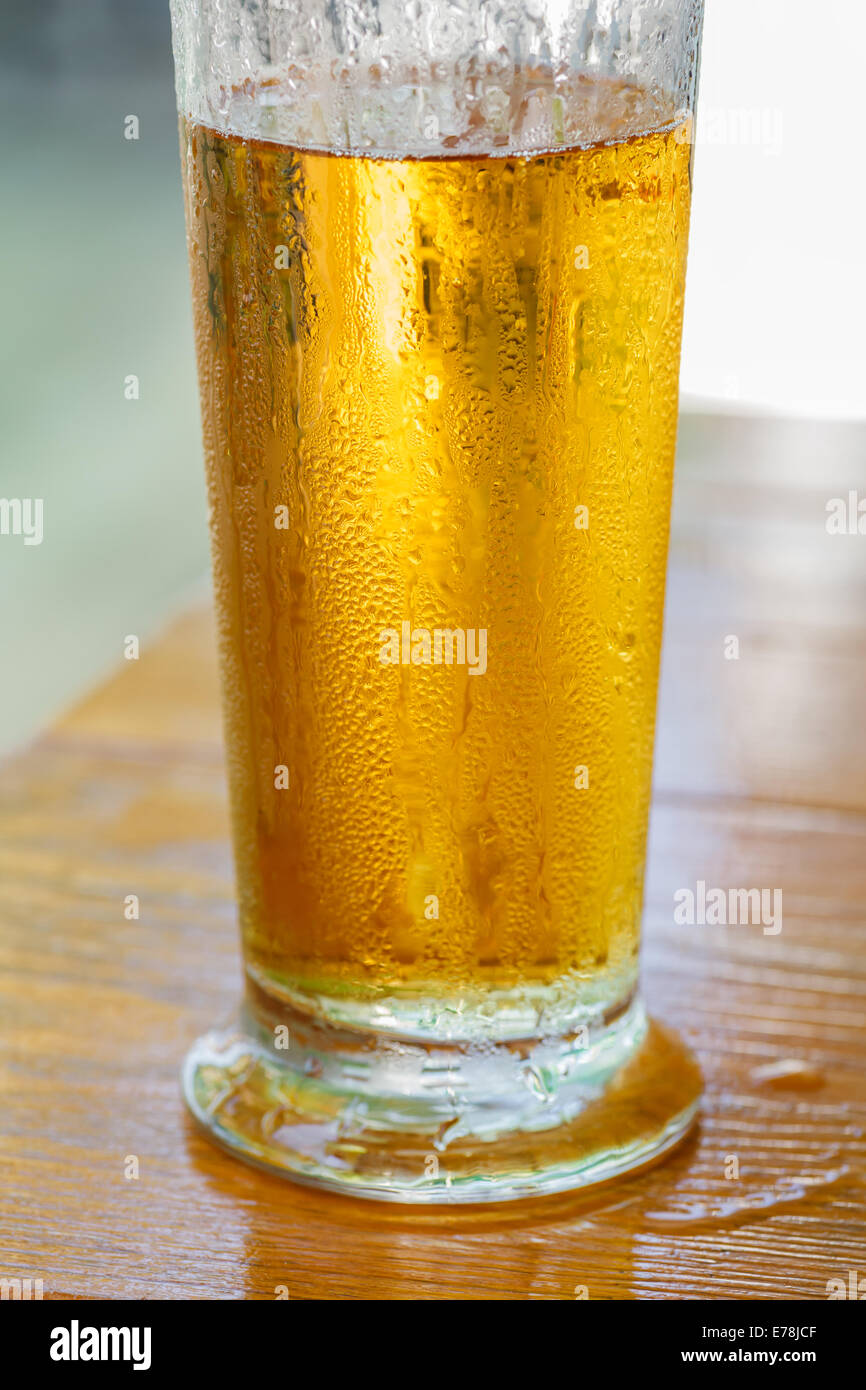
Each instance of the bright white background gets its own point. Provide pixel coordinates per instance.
(776, 300)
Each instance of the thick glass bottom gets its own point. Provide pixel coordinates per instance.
(408, 1121)
(429, 1012)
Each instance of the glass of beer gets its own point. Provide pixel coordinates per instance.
(438, 252)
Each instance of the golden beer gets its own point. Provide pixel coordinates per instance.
(440, 405)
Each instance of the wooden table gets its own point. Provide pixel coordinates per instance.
(761, 781)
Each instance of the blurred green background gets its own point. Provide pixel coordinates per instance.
(94, 288)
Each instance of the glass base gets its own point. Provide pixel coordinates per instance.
(405, 1121)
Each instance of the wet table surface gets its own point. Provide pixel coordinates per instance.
(760, 782)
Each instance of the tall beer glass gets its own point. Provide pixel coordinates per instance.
(438, 252)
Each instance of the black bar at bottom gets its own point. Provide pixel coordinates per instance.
(212, 1338)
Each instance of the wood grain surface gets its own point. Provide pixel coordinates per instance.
(760, 782)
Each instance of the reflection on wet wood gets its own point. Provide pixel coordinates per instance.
(761, 782)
